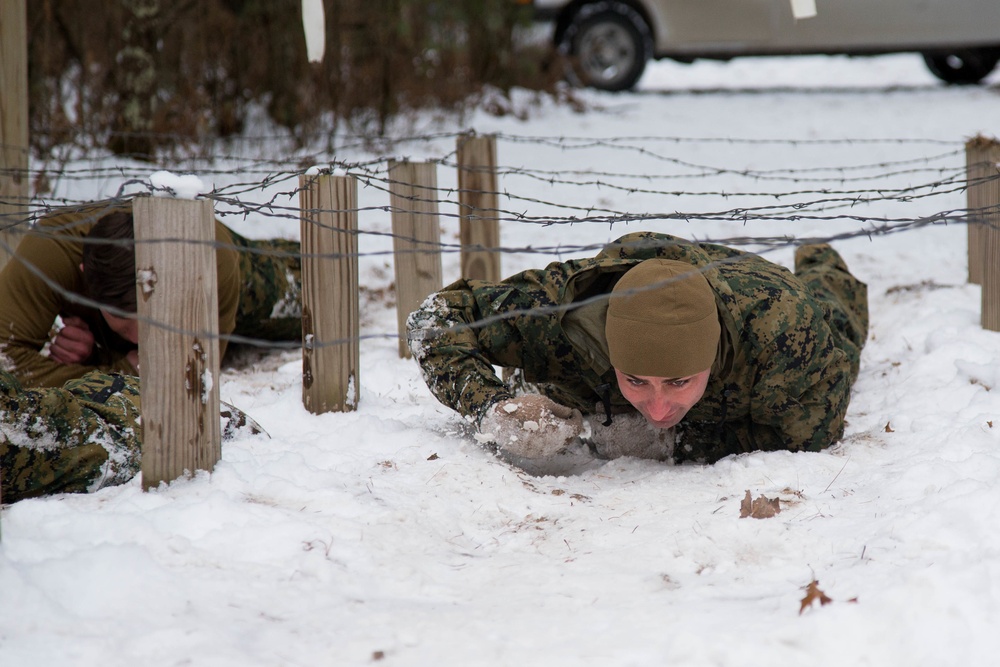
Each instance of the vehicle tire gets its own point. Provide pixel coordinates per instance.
(608, 44)
(963, 66)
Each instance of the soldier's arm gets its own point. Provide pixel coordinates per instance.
(28, 308)
(456, 350)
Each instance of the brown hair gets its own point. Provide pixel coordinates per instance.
(109, 268)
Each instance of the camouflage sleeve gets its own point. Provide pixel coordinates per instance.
(455, 356)
(459, 334)
(802, 386)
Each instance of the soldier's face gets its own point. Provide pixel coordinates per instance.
(662, 401)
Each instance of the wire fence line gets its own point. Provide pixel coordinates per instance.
(265, 187)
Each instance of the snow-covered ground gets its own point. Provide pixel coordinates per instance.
(388, 536)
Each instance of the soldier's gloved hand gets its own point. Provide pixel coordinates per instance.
(531, 426)
(630, 435)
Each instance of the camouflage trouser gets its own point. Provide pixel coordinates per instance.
(271, 290)
(81, 437)
(844, 298)
(74, 439)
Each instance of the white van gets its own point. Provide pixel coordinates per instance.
(609, 41)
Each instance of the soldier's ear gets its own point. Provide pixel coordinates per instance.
(81, 267)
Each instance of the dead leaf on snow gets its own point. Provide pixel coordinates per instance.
(761, 508)
(888, 429)
(813, 593)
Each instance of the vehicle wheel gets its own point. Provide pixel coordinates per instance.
(608, 44)
(965, 66)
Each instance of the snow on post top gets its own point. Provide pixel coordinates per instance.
(318, 169)
(180, 186)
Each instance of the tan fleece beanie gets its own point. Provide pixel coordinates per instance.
(662, 320)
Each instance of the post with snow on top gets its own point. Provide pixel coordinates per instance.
(330, 324)
(177, 289)
(478, 203)
(983, 204)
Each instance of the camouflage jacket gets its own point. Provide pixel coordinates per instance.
(787, 357)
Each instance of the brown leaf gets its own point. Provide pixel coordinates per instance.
(433, 457)
(813, 593)
(745, 505)
(888, 429)
(761, 508)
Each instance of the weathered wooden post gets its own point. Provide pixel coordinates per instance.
(330, 325)
(479, 227)
(13, 121)
(978, 152)
(416, 238)
(179, 355)
(984, 203)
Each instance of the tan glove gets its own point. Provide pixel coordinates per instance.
(530, 426)
(630, 435)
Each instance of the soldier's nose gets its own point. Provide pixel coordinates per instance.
(659, 409)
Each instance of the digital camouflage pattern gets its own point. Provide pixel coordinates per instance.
(270, 305)
(787, 358)
(80, 437)
(77, 438)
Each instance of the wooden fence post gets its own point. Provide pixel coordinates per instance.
(479, 227)
(978, 153)
(177, 288)
(329, 216)
(416, 238)
(14, 181)
(983, 157)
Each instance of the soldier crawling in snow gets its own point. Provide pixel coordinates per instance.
(80, 437)
(88, 251)
(668, 348)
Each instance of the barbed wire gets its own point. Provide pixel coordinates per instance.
(265, 187)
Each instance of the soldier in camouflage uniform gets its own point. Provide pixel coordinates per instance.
(775, 360)
(258, 287)
(80, 437)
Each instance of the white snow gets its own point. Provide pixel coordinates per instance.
(181, 186)
(387, 535)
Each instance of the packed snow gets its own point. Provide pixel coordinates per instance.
(388, 536)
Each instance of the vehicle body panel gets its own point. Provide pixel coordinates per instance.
(726, 28)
